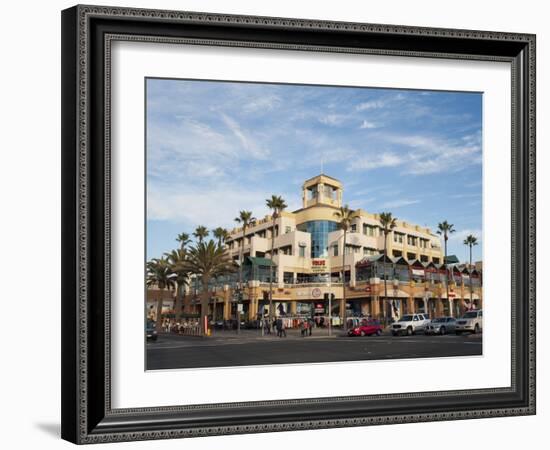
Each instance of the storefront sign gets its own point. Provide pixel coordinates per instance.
(319, 308)
(316, 293)
(319, 265)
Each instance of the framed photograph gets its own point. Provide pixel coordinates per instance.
(281, 224)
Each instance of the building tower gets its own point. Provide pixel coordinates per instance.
(322, 190)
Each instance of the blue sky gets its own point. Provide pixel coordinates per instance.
(215, 148)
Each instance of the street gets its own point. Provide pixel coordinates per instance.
(226, 348)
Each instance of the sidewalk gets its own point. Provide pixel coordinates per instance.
(253, 334)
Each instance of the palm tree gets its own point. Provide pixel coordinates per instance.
(221, 234)
(207, 260)
(470, 241)
(160, 274)
(245, 219)
(445, 228)
(183, 239)
(200, 233)
(345, 216)
(276, 204)
(388, 223)
(176, 259)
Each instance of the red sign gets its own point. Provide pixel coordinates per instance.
(452, 294)
(367, 288)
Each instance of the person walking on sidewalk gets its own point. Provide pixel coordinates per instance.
(303, 328)
(267, 327)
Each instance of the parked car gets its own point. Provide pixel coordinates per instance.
(366, 328)
(471, 321)
(150, 331)
(410, 324)
(441, 325)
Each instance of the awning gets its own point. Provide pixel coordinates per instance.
(451, 259)
(258, 261)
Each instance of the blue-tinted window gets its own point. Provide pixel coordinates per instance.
(319, 230)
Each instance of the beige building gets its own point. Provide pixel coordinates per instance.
(308, 265)
(312, 232)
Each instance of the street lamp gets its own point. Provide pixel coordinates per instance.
(237, 299)
(329, 295)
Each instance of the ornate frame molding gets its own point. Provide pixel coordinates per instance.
(87, 422)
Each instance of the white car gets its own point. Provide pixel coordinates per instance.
(471, 321)
(410, 324)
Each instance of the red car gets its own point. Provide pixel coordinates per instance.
(366, 328)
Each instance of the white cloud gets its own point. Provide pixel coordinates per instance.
(472, 195)
(214, 207)
(248, 143)
(333, 119)
(427, 155)
(399, 203)
(371, 104)
(263, 103)
(368, 125)
(422, 155)
(386, 159)
(357, 203)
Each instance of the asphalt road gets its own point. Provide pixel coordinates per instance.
(171, 351)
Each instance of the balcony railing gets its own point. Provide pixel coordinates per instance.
(303, 284)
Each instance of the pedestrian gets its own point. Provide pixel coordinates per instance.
(283, 330)
(302, 328)
(280, 327)
(310, 326)
(267, 327)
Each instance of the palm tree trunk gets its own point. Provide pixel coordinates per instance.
(214, 308)
(179, 302)
(237, 314)
(343, 312)
(158, 324)
(271, 275)
(241, 256)
(447, 276)
(385, 280)
(204, 305)
(471, 281)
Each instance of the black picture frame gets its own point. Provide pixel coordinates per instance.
(87, 415)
